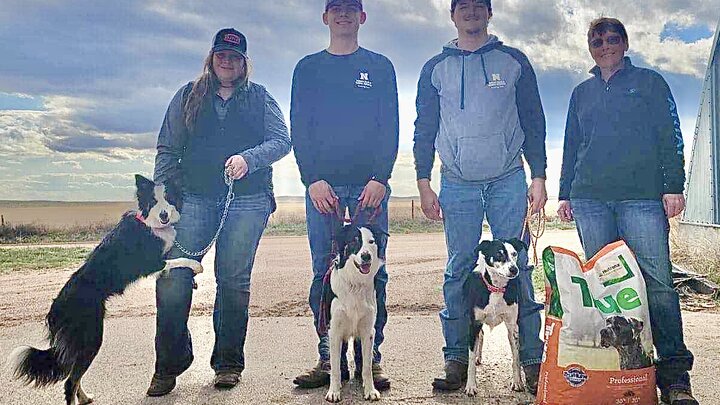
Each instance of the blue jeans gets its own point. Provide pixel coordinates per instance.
(234, 257)
(320, 230)
(504, 204)
(644, 227)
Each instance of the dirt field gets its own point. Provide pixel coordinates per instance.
(279, 302)
(281, 280)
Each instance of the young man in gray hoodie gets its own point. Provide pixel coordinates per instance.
(478, 106)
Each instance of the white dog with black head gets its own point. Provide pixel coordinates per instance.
(353, 306)
(493, 290)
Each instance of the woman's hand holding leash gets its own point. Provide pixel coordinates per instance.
(236, 167)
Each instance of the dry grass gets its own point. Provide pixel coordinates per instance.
(49, 221)
(701, 256)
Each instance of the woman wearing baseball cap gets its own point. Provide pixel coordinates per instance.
(219, 125)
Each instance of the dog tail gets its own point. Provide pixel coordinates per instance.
(35, 366)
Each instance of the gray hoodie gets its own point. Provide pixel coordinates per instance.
(481, 111)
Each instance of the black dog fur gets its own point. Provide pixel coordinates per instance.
(75, 320)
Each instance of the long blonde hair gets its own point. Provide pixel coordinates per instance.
(208, 81)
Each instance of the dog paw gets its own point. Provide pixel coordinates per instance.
(85, 401)
(197, 268)
(471, 390)
(332, 395)
(372, 395)
(517, 386)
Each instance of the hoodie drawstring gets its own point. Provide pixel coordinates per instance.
(462, 85)
(482, 58)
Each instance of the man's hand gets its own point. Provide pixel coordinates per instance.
(429, 200)
(372, 194)
(564, 211)
(236, 167)
(674, 204)
(323, 197)
(537, 194)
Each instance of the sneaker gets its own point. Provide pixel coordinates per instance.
(679, 397)
(160, 386)
(380, 379)
(226, 379)
(319, 376)
(532, 375)
(455, 377)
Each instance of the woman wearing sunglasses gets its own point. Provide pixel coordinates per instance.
(623, 177)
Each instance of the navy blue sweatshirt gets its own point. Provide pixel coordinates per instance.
(622, 138)
(344, 118)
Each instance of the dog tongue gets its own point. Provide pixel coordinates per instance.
(365, 268)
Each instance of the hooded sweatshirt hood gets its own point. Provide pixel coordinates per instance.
(480, 110)
(452, 49)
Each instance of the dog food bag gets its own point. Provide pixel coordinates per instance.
(598, 342)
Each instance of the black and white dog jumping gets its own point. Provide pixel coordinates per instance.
(133, 249)
(353, 306)
(492, 290)
(623, 333)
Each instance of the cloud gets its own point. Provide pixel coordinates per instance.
(96, 78)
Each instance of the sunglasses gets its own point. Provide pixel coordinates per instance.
(611, 40)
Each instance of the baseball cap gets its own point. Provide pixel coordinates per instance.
(454, 3)
(330, 3)
(230, 39)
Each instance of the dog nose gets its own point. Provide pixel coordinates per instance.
(365, 257)
(164, 216)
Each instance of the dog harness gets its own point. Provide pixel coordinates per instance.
(139, 217)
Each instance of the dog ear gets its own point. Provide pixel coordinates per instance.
(483, 247)
(517, 244)
(379, 235)
(637, 326)
(143, 183)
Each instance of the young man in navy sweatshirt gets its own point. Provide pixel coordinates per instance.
(344, 126)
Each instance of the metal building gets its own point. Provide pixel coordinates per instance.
(701, 218)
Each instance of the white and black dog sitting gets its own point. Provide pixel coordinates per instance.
(623, 333)
(133, 249)
(352, 303)
(492, 290)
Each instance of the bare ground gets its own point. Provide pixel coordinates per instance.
(281, 280)
(279, 302)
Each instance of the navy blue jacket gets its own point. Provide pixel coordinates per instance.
(344, 118)
(622, 138)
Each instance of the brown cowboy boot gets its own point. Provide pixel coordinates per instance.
(160, 386)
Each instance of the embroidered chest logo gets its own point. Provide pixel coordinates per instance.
(497, 82)
(364, 81)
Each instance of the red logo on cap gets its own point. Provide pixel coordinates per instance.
(232, 38)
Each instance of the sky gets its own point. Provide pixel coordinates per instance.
(84, 85)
